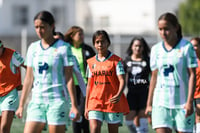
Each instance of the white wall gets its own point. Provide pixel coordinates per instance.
(126, 16)
(7, 26)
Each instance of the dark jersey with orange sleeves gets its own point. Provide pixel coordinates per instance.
(8, 79)
(197, 90)
(104, 85)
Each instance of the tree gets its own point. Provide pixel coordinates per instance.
(189, 17)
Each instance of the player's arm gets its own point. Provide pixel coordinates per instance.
(121, 78)
(71, 90)
(151, 91)
(191, 89)
(28, 81)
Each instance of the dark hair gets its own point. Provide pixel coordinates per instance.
(46, 17)
(102, 33)
(146, 49)
(171, 18)
(59, 34)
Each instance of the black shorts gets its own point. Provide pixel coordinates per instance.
(137, 101)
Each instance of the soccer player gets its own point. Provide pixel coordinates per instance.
(173, 62)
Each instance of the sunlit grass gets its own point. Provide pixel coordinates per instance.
(18, 127)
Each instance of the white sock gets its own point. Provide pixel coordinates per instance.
(198, 128)
(138, 129)
(143, 125)
(131, 126)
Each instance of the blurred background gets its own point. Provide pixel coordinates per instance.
(122, 19)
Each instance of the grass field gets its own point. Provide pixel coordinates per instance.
(18, 127)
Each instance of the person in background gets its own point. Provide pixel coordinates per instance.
(138, 71)
(105, 99)
(49, 73)
(173, 63)
(82, 52)
(76, 67)
(196, 44)
(10, 81)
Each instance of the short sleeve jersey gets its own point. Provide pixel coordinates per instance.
(138, 74)
(16, 61)
(172, 82)
(48, 70)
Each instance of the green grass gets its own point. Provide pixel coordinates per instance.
(18, 127)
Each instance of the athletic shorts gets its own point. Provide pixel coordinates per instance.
(172, 118)
(9, 102)
(111, 118)
(137, 101)
(51, 113)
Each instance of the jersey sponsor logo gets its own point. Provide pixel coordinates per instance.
(43, 67)
(102, 73)
(138, 81)
(101, 83)
(130, 63)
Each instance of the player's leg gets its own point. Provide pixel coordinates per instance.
(129, 121)
(113, 128)
(56, 128)
(114, 120)
(9, 104)
(6, 121)
(132, 101)
(33, 127)
(95, 121)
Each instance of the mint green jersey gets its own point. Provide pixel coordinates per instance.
(172, 82)
(48, 70)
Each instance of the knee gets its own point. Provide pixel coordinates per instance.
(95, 128)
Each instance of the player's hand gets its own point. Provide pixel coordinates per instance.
(148, 110)
(76, 114)
(19, 112)
(188, 109)
(86, 114)
(115, 99)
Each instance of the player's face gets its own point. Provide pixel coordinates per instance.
(101, 45)
(137, 47)
(43, 29)
(195, 45)
(167, 31)
(78, 37)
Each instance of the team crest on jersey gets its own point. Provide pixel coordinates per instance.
(179, 53)
(55, 51)
(93, 66)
